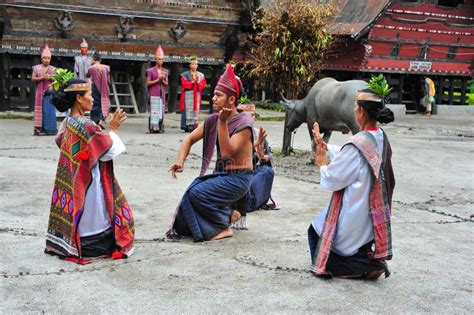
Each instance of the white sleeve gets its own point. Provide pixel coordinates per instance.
(333, 150)
(343, 169)
(116, 149)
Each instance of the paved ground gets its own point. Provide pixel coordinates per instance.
(263, 270)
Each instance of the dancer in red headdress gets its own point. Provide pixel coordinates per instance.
(156, 81)
(204, 212)
(45, 113)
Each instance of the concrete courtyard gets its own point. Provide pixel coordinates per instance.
(263, 270)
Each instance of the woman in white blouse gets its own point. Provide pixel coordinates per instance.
(360, 177)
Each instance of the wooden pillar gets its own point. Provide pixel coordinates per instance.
(3, 88)
(216, 73)
(451, 90)
(400, 88)
(464, 91)
(173, 82)
(6, 62)
(143, 98)
(439, 93)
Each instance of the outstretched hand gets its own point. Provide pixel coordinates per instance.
(117, 119)
(175, 168)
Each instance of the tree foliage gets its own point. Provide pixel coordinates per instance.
(290, 42)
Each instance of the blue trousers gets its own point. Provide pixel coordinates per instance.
(204, 209)
(261, 187)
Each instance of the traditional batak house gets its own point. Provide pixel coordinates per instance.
(407, 40)
(125, 33)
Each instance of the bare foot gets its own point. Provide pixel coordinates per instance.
(373, 275)
(235, 216)
(427, 114)
(224, 234)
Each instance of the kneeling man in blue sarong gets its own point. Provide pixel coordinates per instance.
(204, 211)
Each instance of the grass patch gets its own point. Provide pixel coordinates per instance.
(7, 115)
(270, 106)
(270, 118)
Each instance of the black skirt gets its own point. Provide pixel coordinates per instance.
(98, 244)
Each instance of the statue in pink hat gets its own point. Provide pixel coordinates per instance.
(156, 82)
(45, 113)
(82, 62)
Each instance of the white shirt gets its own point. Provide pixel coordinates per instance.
(95, 218)
(348, 169)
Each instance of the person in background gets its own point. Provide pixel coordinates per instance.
(45, 113)
(429, 92)
(100, 75)
(82, 62)
(193, 83)
(157, 81)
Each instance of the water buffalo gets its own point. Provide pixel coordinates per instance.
(330, 103)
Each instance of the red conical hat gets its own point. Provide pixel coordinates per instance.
(228, 83)
(46, 51)
(84, 43)
(159, 52)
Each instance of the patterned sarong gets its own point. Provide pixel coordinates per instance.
(205, 210)
(156, 113)
(261, 188)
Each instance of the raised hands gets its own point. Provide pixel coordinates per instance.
(117, 119)
(320, 154)
(224, 114)
(262, 135)
(317, 136)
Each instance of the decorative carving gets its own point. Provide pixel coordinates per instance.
(64, 22)
(178, 31)
(125, 28)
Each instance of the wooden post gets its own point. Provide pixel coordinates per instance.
(8, 80)
(440, 90)
(214, 83)
(451, 91)
(463, 92)
(400, 88)
(173, 82)
(3, 87)
(143, 105)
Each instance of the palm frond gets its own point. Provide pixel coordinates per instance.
(61, 78)
(378, 85)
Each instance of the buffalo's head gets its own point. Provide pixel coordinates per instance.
(296, 112)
